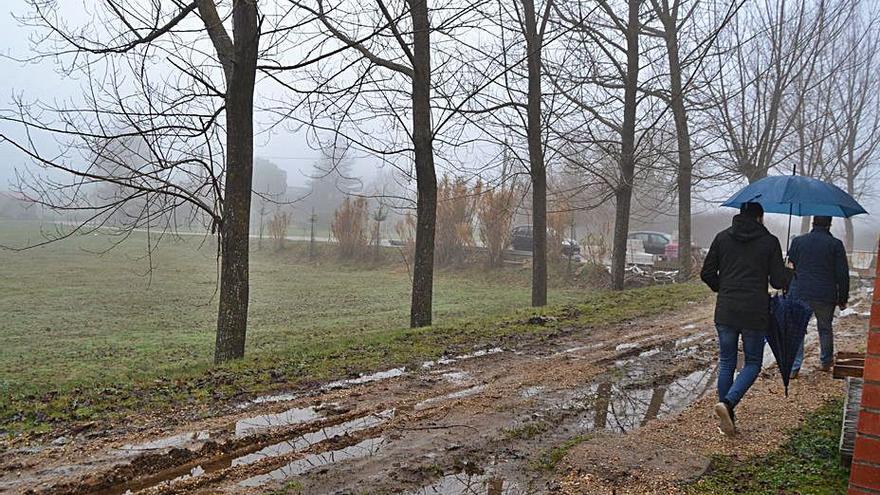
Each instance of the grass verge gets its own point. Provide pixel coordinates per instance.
(324, 358)
(808, 464)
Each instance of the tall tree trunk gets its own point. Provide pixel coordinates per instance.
(232, 315)
(849, 237)
(685, 161)
(536, 156)
(426, 178)
(623, 194)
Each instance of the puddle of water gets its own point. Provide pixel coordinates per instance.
(299, 443)
(305, 441)
(365, 448)
(690, 338)
(650, 352)
(465, 484)
(454, 395)
(613, 406)
(626, 346)
(579, 348)
(167, 442)
(255, 424)
(268, 399)
(449, 360)
(456, 376)
(530, 392)
(372, 377)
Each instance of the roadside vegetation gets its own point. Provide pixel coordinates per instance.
(89, 337)
(808, 464)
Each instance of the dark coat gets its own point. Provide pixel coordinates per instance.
(822, 272)
(740, 262)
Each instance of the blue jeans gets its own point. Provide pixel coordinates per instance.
(824, 316)
(731, 391)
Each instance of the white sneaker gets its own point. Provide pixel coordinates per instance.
(724, 419)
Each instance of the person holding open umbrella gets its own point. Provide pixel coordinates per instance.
(788, 316)
(822, 281)
(741, 261)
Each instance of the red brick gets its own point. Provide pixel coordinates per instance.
(875, 310)
(854, 490)
(872, 369)
(874, 341)
(869, 423)
(864, 475)
(871, 396)
(868, 450)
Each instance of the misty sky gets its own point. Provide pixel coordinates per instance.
(288, 150)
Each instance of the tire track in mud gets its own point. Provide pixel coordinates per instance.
(460, 423)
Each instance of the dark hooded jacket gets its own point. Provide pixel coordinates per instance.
(742, 259)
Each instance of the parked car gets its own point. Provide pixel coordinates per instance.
(521, 240)
(654, 242)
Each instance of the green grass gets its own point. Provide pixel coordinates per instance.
(88, 336)
(808, 464)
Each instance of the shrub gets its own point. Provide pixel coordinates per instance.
(278, 227)
(456, 208)
(350, 226)
(495, 213)
(559, 220)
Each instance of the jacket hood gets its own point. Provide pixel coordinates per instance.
(747, 229)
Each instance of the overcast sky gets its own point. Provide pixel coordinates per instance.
(288, 150)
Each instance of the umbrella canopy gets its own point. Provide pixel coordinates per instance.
(788, 326)
(797, 195)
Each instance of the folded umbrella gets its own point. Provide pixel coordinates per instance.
(788, 326)
(797, 195)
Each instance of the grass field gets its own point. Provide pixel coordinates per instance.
(73, 316)
(79, 325)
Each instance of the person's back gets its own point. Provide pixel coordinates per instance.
(822, 281)
(821, 266)
(740, 263)
(748, 256)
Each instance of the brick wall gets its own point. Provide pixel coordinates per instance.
(865, 476)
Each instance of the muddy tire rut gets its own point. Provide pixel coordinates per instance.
(483, 422)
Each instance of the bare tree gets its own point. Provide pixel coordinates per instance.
(511, 108)
(856, 114)
(768, 48)
(171, 74)
(386, 78)
(606, 90)
(534, 35)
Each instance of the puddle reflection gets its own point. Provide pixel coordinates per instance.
(256, 424)
(363, 449)
(620, 408)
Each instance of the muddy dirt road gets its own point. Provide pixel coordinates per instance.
(489, 421)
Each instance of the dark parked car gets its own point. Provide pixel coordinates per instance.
(521, 240)
(654, 242)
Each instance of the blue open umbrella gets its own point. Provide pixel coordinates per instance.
(797, 195)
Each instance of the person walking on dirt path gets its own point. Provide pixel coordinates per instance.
(741, 260)
(822, 281)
